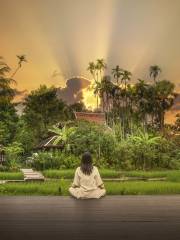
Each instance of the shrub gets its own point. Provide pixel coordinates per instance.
(140, 150)
(94, 138)
(53, 160)
(13, 154)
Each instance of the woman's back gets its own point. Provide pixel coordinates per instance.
(88, 182)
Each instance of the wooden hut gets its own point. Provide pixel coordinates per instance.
(48, 144)
(91, 117)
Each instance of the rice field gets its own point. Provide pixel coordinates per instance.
(69, 173)
(60, 187)
(59, 181)
(170, 175)
(11, 176)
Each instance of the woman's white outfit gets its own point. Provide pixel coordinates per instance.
(87, 186)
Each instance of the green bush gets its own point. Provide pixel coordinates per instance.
(13, 154)
(53, 160)
(141, 150)
(97, 139)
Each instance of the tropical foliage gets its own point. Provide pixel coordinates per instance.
(135, 135)
(126, 103)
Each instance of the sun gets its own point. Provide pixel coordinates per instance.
(89, 99)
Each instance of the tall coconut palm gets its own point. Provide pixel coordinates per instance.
(21, 59)
(97, 91)
(126, 76)
(105, 92)
(154, 71)
(92, 69)
(117, 73)
(96, 71)
(100, 67)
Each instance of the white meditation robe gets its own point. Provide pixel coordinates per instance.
(87, 186)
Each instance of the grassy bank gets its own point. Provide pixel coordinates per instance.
(113, 188)
(171, 175)
(69, 173)
(11, 176)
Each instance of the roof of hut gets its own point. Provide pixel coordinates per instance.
(48, 143)
(91, 117)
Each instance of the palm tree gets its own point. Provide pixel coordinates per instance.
(97, 91)
(92, 69)
(105, 92)
(6, 92)
(100, 66)
(117, 73)
(154, 71)
(4, 68)
(21, 59)
(126, 76)
(96, 71)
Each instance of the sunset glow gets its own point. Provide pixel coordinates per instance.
(89, 99)
(60, 38)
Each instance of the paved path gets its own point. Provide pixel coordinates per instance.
(31, 175)
(118, 217)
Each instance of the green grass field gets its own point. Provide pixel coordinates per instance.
(11, 176)
(53, 186)
(69, 173)
(171, 175)
(60, 187)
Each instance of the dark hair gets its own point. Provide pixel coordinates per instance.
(86, 163)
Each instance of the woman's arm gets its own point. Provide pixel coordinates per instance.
(76, 182)
(99, 181)
(101, 186)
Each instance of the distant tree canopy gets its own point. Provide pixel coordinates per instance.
(8, 116)
(42, 109)
(125, 103)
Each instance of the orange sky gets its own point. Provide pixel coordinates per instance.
(62, 36)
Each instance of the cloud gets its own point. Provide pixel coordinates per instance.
(73, 91)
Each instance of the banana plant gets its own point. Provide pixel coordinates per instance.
(144, 137)
(62, 134)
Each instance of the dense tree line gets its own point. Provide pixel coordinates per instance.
(127, 103)
(42, 109)
(131, 110)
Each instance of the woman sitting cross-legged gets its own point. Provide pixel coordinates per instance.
(87, 181)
